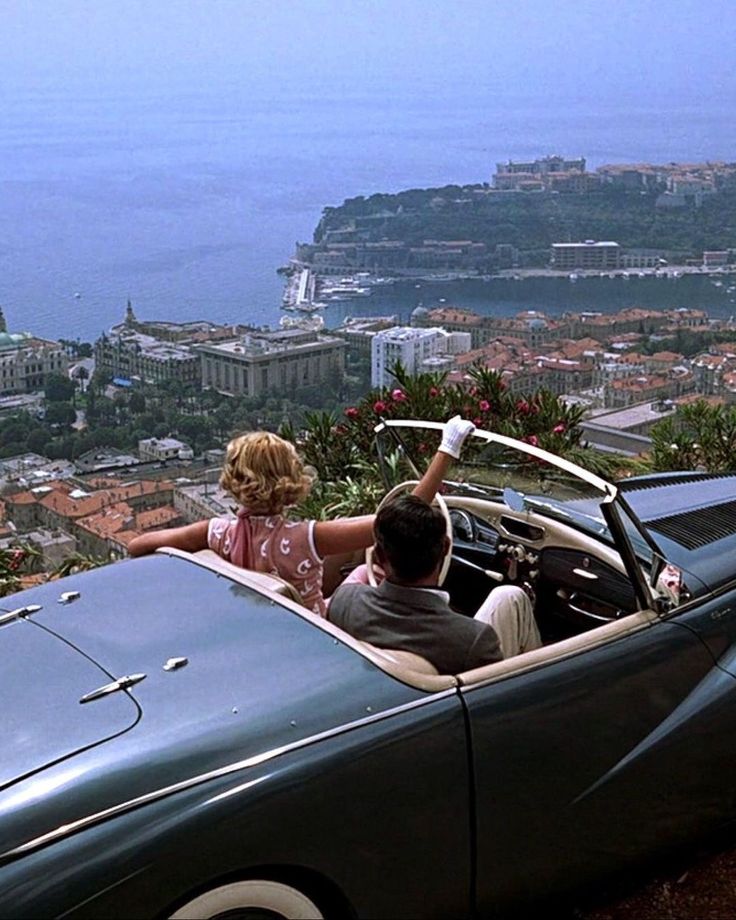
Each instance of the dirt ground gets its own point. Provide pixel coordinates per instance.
(699, 885)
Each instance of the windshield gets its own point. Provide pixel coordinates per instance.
(521, 476)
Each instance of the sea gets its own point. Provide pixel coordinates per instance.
(187, 202)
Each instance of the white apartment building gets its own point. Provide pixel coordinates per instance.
(164, 449)
(413, 348)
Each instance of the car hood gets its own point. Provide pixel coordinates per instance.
(42, 680)
(254, 679)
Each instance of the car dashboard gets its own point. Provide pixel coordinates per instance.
(575, 581)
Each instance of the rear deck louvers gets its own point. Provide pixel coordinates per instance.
(693, 529)
(658, 482)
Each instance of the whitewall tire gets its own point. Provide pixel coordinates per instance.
(255, 894)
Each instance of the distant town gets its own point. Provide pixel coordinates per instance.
(100, 442)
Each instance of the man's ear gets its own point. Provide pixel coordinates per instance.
(446, 545)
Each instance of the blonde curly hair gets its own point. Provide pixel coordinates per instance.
(264, 473)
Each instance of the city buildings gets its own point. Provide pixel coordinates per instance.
(283, 362)
(157, 351)
(551, 173)
(417, 350)
(164, 449)
(133, 356)
(591, 255)
(27, 360)
(358, 332)
(102, 516)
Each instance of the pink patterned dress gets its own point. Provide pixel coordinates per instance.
(275, 545)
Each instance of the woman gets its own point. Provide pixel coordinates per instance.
(265, 475)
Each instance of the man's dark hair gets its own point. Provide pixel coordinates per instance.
(410, 534)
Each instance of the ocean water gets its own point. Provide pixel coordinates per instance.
(187, 203)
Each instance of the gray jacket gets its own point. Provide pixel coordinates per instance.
(416, 620)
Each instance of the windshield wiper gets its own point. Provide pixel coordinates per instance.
(472, 488)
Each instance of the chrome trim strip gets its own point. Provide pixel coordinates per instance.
(20, 613)
(256, 760)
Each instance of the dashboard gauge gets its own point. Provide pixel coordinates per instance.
(462, 526)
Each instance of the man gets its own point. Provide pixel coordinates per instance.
(409, 611)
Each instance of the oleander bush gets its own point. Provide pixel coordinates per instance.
(341, 448)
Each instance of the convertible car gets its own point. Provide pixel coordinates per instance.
(181, 738)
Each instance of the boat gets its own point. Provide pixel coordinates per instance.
(344, 289)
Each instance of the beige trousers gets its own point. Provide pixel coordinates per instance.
(509, 611)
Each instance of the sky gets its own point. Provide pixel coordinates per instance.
(575, 48)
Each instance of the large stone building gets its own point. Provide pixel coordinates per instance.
(157, 351)
(283, 362)
(591, 255)
(26, 361)
(137, 357)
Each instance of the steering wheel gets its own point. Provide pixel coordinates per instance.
(440, 503)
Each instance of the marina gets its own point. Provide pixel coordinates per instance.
(552, 293)
(308, 292)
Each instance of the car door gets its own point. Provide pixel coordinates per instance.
(584, 763)
(597, 750)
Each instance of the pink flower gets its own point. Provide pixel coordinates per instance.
(379, 407)
(477, 422)
(351, 412)
(523, 407)
(433, 391)
(473, 391)
(532, 439)
(398, 395)
(559, 429)
(484, 405)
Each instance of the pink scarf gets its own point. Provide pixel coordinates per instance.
(241, 547)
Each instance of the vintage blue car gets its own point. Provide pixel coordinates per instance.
(182, 739)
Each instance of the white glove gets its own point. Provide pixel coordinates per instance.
(454, 433)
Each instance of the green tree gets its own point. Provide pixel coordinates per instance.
(58, 388)
(697, 437)
(60, 413)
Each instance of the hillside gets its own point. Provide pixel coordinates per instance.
(532, 221)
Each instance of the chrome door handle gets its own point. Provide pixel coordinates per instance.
(583, 573)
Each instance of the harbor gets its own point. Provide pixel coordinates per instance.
(306, 291)
(505, 293)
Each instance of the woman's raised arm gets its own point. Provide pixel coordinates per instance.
(349, 534)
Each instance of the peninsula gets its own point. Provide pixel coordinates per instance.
(652, 215)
